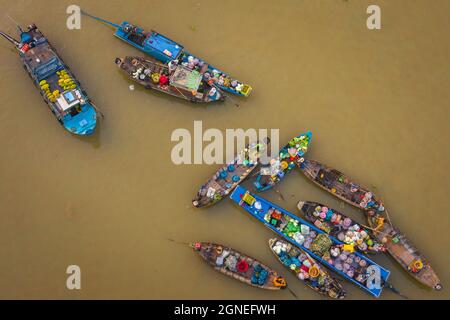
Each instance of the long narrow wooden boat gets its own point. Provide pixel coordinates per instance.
(280, 166)
(229, 176)
(396, 243)
(403, 251)
(240, 266)
(178, 81)
(340, 185)
(164, 49)
(332, 253)
(57, 84)
(306, 269)
(340, 226)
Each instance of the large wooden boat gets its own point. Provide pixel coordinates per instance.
(229, 176)
(340, 185)
(56, 83)
(239, 266)
(175, 80)
(403, 251)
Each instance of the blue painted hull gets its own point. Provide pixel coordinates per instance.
(265, 206)
(68, 101)
(153, 51)
(80, 125)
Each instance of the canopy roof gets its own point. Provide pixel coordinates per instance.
(186, 78)
(163, 44)
(68, 99)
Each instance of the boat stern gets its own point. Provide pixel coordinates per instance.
(246, 89)
(125, 65)
(272, 242)
(300, 205)
(84, 123)
(201, 202)
(119, 61)
(261, 187)
(430, 278)
(242, 89)
(309, 207)
(196, 246)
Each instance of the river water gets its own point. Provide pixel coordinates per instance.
(375, 100)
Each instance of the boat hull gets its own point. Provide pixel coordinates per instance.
(405, 253)
(229, 176)
(154, 75)
(340, 185)
(239, 266)
(301, 263)
(47, 69)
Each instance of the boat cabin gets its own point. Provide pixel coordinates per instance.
(70, 102)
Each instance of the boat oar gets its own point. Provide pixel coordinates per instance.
(293, 293)
(100, 19)
(10, 39)
(181, 93)
(232, 100)
(182, 243)
(394, 290)
(15, 22)
(376, 231)
(388, 217)
(97, 109)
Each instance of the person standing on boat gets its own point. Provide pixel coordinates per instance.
(173, 64)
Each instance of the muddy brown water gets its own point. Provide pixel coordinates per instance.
(376, 102)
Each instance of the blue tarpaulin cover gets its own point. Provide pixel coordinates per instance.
(164, 45)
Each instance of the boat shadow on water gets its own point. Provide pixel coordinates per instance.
(93, 139)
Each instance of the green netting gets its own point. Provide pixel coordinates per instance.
(186, 78)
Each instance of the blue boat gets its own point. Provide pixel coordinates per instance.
(332, 253)
(287, 159)
(166, 50)
(57, 84)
